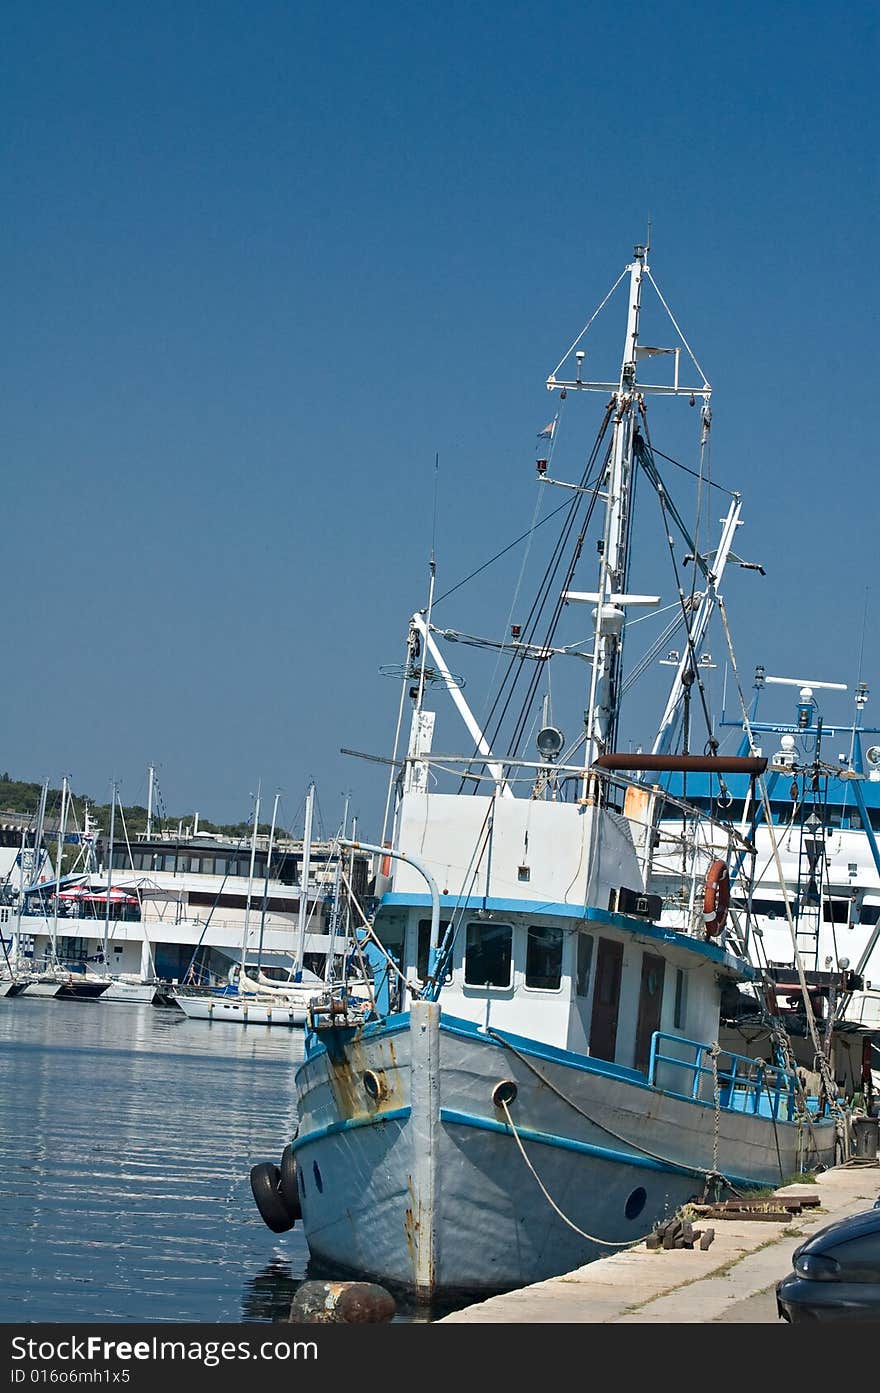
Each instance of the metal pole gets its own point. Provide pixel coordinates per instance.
(266, 880)
(334, 915)
(109, 878)
(247, 908)
(304, 885)
(61, 825)
(432, 886)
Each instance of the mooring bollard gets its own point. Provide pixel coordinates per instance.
(349, 1303)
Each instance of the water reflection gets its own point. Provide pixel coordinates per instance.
(268, 1295)
(127, 1134)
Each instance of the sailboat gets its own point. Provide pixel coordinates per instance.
(134, 988)
(56, 979)
(252, 996)
(546, 1083)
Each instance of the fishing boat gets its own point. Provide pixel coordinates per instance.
(541, 1080)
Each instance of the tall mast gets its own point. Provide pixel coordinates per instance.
(304, 884)
(335, 912)
(266, 878)
(109, 876)
(247, 907)
(151, 772)
(61, 826)
(604, 705)
(611, 597)
(38, 832)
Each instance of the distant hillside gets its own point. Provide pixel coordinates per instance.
(17, 796)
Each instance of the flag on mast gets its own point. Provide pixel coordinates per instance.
(547, 432)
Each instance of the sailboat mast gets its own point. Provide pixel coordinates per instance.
(38, 832)
(61, 826)
(109, 876)
(304, 884)
(266, 878)
(247, 906)
(604, 703)
(151, 773)
(334, 914)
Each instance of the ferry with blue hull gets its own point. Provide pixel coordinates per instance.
(538, 1078)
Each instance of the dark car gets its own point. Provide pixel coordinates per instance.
(836, 1273)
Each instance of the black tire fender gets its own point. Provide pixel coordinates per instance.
(288, 1184)
(265, 1179)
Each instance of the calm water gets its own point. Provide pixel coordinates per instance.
(127, 1134)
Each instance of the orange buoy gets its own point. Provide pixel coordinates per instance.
(716, 900)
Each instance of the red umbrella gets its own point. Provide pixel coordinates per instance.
(116, 896)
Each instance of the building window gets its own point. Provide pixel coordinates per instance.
(584, 963)
(678, 1015)
(424, 945)
(544, 958)
(488, 959)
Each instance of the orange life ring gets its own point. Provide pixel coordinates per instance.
(716, 900)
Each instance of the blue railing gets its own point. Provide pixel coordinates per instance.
(744, 1084)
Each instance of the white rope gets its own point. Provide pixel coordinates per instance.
(605, 1242)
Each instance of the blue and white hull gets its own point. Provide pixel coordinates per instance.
(410, 1174)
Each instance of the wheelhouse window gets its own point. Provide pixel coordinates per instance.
(488, 957)
(544, 957)
(584, 963)
(424, 945)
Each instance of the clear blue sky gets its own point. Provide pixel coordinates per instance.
(263, 262)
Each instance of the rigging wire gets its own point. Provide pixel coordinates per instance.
(515, 667)
(503, 552)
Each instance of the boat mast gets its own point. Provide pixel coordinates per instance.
(334, 914)
(266, 879)
(247, 906)
(151, 773)
(61, 826)
(109, 878)
(38, 832)
(304, 885)
(611, 599)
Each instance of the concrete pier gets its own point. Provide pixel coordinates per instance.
(734, 1279)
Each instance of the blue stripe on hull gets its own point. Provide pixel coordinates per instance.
(350, 1124)
(606, 1153)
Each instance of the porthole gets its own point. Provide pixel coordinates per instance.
(317, 1174)
(374, 1085)
(504, 1092)
(636, 1203)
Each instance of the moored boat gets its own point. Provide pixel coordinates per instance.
(541, 1080)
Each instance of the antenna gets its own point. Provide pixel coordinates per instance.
(434, 519)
